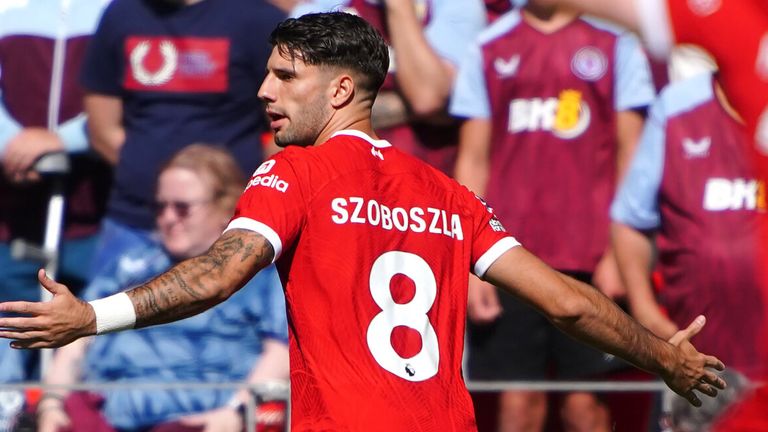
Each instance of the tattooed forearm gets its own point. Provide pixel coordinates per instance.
(202, 282)
(183, 285)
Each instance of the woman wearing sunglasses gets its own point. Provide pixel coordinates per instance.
(237, 340)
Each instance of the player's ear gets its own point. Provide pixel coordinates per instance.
(342, 90)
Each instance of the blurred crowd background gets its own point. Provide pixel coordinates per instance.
(627, 172)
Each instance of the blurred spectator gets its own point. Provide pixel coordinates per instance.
(161, 74)
(691, 199)
(42, 45)
(554, 104)
(244, 338)
(427, 40)
(732, 31)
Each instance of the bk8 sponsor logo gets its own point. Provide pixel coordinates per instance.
(566, 116)
(721, 194)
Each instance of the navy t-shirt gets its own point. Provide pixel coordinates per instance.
(185, 74)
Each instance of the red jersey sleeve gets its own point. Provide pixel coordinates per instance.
(273, 203)
(711, 24)
(489, 238)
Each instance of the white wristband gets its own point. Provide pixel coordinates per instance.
(114, 313)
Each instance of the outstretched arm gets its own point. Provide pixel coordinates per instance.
(200, 283)
(586, 314)
(189, 288)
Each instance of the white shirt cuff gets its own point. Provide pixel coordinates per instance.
(492, 254)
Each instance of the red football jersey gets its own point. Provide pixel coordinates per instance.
(736, 33)
(374, 249)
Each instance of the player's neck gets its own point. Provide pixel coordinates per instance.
(548, 19)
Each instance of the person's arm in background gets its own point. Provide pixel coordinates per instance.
(389, 110)
(473, 163)
(607, 277)
(265, 302)
(425, 59)
(635, 216)
(473, 170)
(21, 147)
(589, 316)
(623, 12)
(649, 18)
(273, 364)
(105, 125)
(470, 101)
(633, 93)
(634, 251)
(101, 76)
(424, 78)
(65, 369)
(629, 128)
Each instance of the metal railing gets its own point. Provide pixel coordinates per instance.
(567, 386)
(279, 391)
(261, 393)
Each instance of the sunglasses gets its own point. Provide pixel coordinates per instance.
(180, 208)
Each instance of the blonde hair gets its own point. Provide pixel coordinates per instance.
(217, 167)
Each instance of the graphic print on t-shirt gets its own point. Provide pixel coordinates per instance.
(186, 64)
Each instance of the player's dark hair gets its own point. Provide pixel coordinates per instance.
(335, 39)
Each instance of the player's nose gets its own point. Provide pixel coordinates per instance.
(266, 91)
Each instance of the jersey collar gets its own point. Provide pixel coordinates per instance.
(363, 135)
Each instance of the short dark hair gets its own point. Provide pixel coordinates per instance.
(335, 39)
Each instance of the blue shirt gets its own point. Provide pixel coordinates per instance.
(184, 75)
(219, 345)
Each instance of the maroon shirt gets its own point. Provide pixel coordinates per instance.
(553, 100)
(709, 203)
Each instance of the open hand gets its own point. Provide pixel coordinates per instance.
(693, 371)
(48, 324)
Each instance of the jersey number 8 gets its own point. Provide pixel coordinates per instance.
(413, 314)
